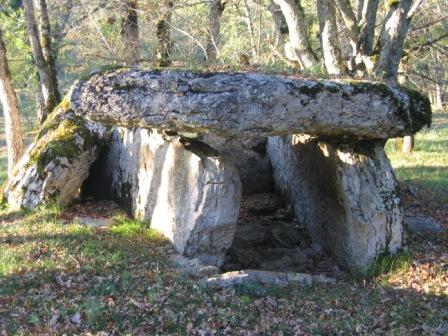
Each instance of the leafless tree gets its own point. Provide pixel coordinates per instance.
(40, 41)
(299, 44)
(10, 103)
(216, 8)
(163, 33)
(330, 46)
(130, 32)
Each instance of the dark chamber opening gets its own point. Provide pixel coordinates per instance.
(268, 237)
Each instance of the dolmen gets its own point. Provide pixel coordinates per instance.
(179, 149)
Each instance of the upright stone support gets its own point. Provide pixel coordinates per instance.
(249, 156)
(57, 163)
(183, 187)
(345, 194)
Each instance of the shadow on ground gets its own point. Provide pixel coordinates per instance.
(66, 278)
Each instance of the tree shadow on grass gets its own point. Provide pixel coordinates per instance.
(424, 174)
(71, 273)
(99, 281)
(431, 180)
(431, 146)
(11, 216)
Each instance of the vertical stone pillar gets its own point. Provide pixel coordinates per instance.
(345, 194)
(183, 187)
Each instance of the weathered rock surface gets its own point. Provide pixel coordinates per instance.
(193, 267)
(249, 156)
(238, 104)
(184, 188)
(57, 163)
(231, 279)
(421, 224)
(346, 196)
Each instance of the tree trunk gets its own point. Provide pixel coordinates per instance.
(361, 32)
(298, 32)
(130, 33)
(10, 103)
(392, 39)
(346, 10)
(408, 144)
(216, 8)
(277, 43)
(163, 32)
(438, 103)
(250, 31)
(40, 104)
(366, 26)
(47, 73)
(329, 38)
(280, 28)
(438, 89)
(46, 39)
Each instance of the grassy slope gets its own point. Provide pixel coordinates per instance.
(427, 167)
(59, 277)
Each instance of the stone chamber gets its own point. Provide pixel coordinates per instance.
(241, 171)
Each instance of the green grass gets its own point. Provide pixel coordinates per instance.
(427, 167)
(126, 227)
(387, 264)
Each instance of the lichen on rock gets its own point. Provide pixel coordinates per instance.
(345, 194)
(249, 104)
(183, 187)
(56, 164)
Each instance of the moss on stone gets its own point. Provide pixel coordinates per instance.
(54, 117)
(102, 71)
(391, 3)
(360, 86)
(382, 90)
(313, 89)
(60, 140)
(54, 150)
(65, 103)
(420, 109)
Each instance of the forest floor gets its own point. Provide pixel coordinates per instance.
(57, 276)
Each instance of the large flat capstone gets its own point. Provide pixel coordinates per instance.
(235, 104)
